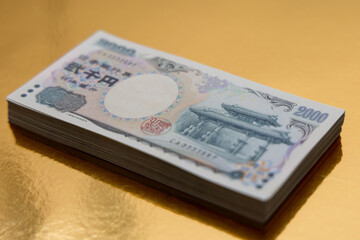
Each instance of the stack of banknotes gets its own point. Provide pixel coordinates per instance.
(228, 143)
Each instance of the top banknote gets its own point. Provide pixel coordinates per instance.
(228, 130)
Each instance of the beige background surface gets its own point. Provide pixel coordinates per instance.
(307, 48)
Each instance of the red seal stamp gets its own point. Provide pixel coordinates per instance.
(155, 126)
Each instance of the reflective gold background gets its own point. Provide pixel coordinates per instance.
(309, 48)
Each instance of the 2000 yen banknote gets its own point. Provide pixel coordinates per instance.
(228, 130)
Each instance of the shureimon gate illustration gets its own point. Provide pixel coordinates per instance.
(244, 124)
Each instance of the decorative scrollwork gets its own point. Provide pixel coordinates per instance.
(305, 128)
(274, 101)
(167, 66)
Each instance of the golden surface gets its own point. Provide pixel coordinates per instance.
(309, 48)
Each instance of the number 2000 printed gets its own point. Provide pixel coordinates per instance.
(309, 113)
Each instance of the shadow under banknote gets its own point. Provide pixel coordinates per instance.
(171, 200)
